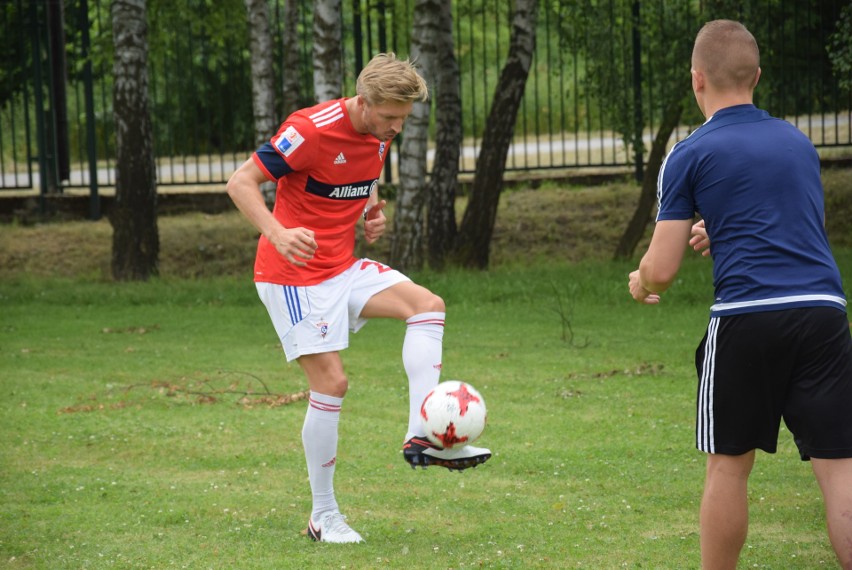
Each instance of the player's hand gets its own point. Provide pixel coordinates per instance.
(297, 245)
(700, 241)
(640, 293)
(374, 222)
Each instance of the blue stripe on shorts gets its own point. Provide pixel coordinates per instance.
(294, 306)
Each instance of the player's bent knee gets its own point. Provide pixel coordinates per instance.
(336, 386)
(326, 380)
(425, 302)
(437, 304)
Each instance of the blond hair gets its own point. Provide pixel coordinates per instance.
(728, 55)
(386, 79)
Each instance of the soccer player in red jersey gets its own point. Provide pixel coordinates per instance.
(327, 160)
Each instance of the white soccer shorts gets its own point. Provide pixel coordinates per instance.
(318, 318)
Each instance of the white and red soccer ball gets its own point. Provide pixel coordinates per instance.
(453, 414)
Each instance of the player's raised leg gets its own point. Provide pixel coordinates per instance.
(422, 350)
(423, 313)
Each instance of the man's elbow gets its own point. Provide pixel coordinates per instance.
(235, 185)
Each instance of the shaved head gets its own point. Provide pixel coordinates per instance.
(727, 54)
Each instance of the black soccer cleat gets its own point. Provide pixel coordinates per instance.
(420, 452)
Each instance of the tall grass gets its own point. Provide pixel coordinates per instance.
(127, 442)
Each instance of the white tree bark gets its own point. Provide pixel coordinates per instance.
(328, 75)
(262, 76)
(291, 82)
(406, 251)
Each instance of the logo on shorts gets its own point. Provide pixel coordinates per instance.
(323, 328)
(367, 263)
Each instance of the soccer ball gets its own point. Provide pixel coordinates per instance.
(453, 414)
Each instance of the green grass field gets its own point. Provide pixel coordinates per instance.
(128, 441)
(141, 423)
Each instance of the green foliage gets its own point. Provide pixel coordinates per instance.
(793, 39)
(482, 43)
(664, 36)
(200, 76)
(13, 53)
(840, 48)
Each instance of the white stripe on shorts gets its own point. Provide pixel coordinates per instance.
(705, 422)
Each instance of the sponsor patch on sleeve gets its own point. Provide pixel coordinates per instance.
(288, 141)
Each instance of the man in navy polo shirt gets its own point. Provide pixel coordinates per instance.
(778, 344)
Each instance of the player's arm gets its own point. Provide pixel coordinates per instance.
(660, 264)
(297, 244)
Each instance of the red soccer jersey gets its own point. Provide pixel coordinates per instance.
(325, 172)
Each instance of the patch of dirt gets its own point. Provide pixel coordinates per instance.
(191, 246)
(554, 222)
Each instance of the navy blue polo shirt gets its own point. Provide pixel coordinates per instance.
(755, 180)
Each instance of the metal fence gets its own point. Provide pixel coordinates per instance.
(56, 127)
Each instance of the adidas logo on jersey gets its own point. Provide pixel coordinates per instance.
(340, 159)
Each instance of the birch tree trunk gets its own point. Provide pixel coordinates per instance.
(136, 242)
(406, 252)
(262, 76)
(441, 228)
(474, 240)
(328, 76)
(262, 82)
(291, 84)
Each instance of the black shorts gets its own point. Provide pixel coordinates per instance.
(757, 368)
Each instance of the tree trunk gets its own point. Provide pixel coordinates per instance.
(648, 196)
(328, 76)
(473, 245)
(136, 243)
(406, 252)
(262, 70)
(443, 183)
(292, 81)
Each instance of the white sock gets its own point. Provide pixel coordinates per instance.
(421, 357)
(319, 438)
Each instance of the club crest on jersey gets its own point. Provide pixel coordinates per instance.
(288, 141)
(382, 149)
(323, 328)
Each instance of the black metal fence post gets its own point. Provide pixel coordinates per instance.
(639, 122)
(58, 92)
(88, 87)
(39, 107)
